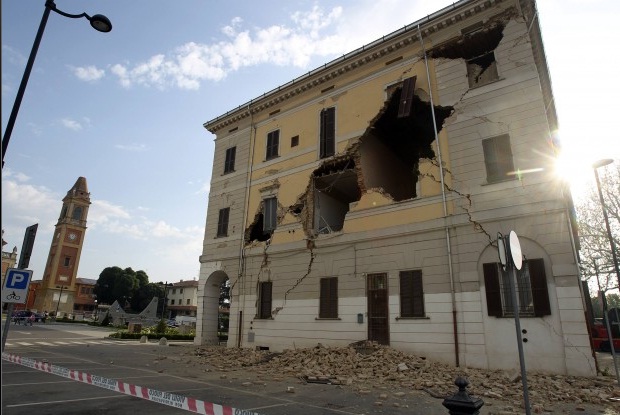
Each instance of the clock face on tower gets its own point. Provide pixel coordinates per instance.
(72, 236)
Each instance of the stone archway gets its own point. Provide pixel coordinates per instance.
(208, 309)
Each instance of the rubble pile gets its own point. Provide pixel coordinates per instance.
(366, 365)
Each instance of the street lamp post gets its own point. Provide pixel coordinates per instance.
(98, 22)
(595, 166)
(62, 287)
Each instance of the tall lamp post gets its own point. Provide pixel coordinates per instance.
(595, 166)
(98, 22)
(62, 287)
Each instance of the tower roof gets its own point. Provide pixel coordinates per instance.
(79, 189)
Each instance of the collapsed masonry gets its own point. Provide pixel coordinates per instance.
(386, 157)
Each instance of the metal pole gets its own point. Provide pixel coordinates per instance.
(515, 308)
(22, 86)
(609, 334)
(7, 323)
(609, 235)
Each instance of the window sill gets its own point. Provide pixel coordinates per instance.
(327, 318)
(489, 183)
(228, 172)
(413, 318)
(262, 319)
(271, 158)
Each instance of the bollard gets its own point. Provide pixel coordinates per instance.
(461, 403)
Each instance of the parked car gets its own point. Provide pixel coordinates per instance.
(40, 317)
(21, 315)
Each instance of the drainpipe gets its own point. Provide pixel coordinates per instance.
(242, 264)
(445, 206)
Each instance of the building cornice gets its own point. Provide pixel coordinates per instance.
(378, 49)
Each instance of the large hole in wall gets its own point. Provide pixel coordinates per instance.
(256, 232)
(334, 187)
(391, 148)
(385, 158)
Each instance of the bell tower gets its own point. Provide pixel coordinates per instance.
(58, 289)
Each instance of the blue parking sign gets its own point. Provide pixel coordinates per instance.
(15, 289)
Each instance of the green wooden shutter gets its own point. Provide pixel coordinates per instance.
(491, 284)
(540, 291)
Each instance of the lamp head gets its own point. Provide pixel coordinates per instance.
(601, 163)
(101, 23)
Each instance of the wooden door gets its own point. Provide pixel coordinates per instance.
(378, 313)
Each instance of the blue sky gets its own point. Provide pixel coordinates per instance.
(125, 109)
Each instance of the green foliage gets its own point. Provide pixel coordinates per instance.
(151, 336)
(161, 326)
(155, 332)
(143, 295)
(122, 285)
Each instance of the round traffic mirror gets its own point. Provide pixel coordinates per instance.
(515, 250)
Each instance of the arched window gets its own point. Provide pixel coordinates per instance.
(63, 212)
(77, 213)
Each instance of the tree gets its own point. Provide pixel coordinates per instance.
(122, 285)
(596, 260)
(143, 295)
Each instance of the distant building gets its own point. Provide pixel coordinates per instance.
(84, 298)
(182, 299)
(9, 259)
(59, 287)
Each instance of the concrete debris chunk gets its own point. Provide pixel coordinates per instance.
(369, 367)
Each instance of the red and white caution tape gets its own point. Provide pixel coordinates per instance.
(153, 395)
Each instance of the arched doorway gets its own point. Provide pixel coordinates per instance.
(209, 320)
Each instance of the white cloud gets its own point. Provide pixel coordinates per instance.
(88, 73)
(26, 204)
(71, 124)
(12, 56)
(192, 63)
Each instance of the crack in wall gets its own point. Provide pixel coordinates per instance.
(392, 139)
(477, 225)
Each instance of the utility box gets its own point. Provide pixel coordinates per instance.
(134, 327)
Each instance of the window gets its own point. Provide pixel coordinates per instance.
(270, 214)
(406, 97)
(229, 164)
(188, 301)
(264, 299)
(67, 262)
(328, 132)
(273, 141)
(77, 213)
(181, 291)
(222, 222)
(411, 294)
(295, 141)
(171, 302)
(482, 70)
(531, 287)
(174, 291)
(328, 300)
(498, 158)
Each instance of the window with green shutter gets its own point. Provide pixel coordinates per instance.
(411, 294)
(328, 302)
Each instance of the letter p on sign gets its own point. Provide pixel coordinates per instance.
(15, 289)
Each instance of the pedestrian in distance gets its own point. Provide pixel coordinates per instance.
(31, 319)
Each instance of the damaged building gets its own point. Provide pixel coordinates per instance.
(362, 201)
